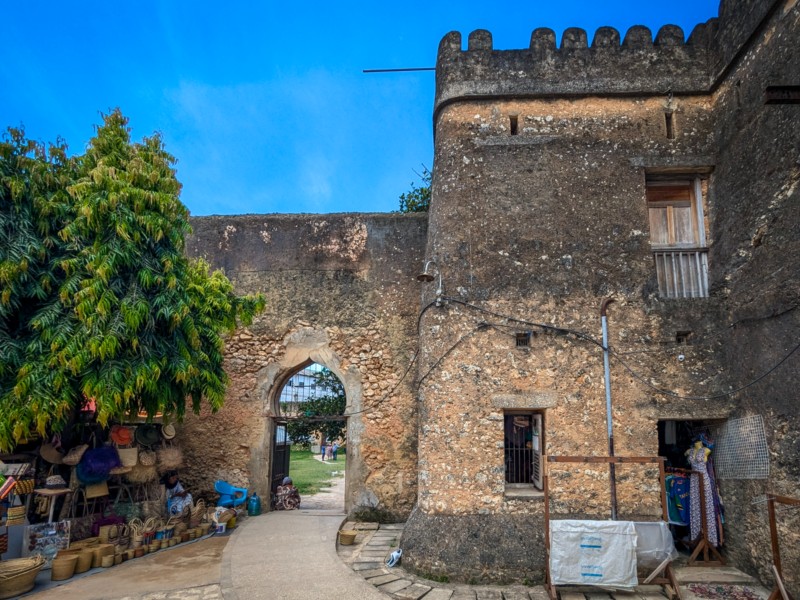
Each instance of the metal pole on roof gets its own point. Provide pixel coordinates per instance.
(609, 422)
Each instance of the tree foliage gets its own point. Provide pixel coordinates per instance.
(418, 198)
(98, 298)
(331, 403)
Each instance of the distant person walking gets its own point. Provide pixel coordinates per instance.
(335, 449)
(322, 450)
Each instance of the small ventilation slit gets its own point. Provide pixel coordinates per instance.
(523, 339)
(668, 121)
(514, 123)
(683, 337)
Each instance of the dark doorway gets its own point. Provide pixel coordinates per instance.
(280, 456)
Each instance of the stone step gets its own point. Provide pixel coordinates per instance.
(413, 592)
(382, 579)
(441, 594)
(395, 586)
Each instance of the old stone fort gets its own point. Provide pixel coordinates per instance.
(653, 174)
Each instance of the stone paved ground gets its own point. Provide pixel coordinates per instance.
(200, 571)
(374, 543)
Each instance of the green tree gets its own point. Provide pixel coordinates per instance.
(330, 404)
(105, 305)
(418, 198)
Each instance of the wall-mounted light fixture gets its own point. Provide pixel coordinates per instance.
(427, 275)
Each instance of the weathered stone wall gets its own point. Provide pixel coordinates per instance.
(340, 291)
(757, 222)
(540, 225)
(551, 221)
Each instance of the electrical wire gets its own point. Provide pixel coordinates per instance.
(543, 326)
(573, 332)
(480, 327)
(698, 339)
(712, 397)
(589, 338)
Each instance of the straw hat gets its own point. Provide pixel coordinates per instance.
(121, 436)
(50, 454)
(147, 435)
(168, 431)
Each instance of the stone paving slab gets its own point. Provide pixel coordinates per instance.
(414, 592)
(366, 566)
(382, 579)
(488, 594)
(515, 595)
(463, 595)
(372, 573)
(395, 586)
(440, 594)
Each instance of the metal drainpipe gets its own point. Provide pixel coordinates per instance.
(612, 472)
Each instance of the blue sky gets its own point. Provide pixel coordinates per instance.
(264, 104)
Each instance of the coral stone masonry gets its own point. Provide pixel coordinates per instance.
(648, 169)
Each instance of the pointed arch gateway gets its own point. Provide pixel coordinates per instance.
(305, 347)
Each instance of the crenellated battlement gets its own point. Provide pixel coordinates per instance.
(634, 64)
(639, 64)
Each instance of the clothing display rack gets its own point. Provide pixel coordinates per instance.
(710, 555)
(779, 591)
(663, 575)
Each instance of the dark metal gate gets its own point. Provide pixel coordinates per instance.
(280, 456)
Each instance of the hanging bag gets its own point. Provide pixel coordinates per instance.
(73, 457)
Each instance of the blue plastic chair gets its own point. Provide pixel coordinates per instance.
(229, 496)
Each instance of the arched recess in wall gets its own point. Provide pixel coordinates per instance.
(303, 347)
(311, 417)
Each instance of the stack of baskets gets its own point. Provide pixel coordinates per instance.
(18, 576)
(197, 513)
(24, 486)
(15, 515)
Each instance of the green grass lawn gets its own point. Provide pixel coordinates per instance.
(310, 475)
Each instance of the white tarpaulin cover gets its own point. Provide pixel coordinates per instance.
(654, 544)
(601, 553)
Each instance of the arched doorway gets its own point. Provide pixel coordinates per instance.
(311, 430)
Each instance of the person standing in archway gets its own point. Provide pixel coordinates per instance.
(322, 448)
(335, 449)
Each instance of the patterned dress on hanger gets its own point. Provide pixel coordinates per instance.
(698, 463)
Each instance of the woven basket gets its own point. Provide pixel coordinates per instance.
(91, 542)
(73, 457)
(3, 543)
(63, 567)
(24, 486)
(142, 474)
(18, 575)
(170, 457)
(85, 559)
(16, 512)
(128, 456)
(100, 552)
(147, 458)
(347, 537)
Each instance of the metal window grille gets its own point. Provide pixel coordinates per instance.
(522, 448)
